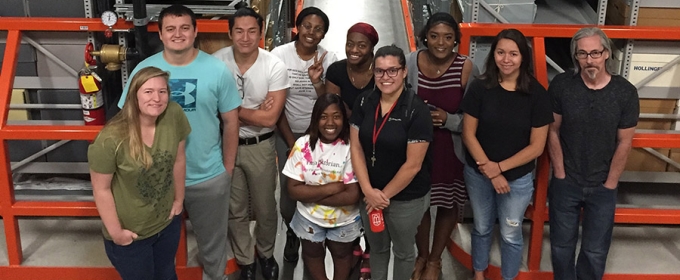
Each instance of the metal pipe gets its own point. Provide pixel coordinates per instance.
(659, 116)
(46, 106)
(141, 33)
(553, 64)
(39, 154)
(493, 12)
(51, 56)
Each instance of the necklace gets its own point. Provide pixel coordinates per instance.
(351, 77)
(446, 65)
(301, 58)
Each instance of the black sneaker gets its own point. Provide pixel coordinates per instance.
(292, 247)
(270, 268)
(248, 272)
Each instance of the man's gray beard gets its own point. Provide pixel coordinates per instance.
(592, 73)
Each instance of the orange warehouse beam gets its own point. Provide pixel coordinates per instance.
(8, 71)
(410, 34)
(47, 132)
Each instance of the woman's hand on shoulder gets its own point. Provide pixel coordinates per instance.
(124, 237)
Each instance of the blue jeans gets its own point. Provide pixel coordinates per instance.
(566, 199)
(152, 258)
(509, 208)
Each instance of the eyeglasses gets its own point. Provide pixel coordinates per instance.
(241, 81)
(317, 29)
(391, 72)
(593, 54)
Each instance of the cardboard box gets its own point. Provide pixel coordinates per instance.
(18, 98)
(674, 155)
(644, 64)
(639, 159)
(657, 106)
(212, 42)
(618, 12)
(456, 11)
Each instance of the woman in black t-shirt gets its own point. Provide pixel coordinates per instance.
(391, 132)
(352, 76)
(349, 78)
(505, 127)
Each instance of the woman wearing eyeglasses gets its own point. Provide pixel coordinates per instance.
(307, 63)
(391, 132)
(439, 77)
(505, 127)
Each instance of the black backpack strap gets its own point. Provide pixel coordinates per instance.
(409, 105)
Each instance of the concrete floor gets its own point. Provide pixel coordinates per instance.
(635, 249)
(78, 242)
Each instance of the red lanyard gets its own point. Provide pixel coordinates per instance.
(387, 116)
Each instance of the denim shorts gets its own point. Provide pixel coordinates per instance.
(307, 230)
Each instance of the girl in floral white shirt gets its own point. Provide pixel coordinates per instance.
(321, 179)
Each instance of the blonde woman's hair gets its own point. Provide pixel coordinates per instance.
(126, 124)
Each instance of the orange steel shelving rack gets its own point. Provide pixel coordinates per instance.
(537, 213)
(10, 209)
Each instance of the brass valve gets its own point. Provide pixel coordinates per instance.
(112, 55)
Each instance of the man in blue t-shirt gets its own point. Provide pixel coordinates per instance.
(206, 89)
(595, 117)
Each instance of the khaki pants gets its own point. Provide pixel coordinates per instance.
(254, 178)
(287, 204)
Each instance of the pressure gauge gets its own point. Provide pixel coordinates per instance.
(109, 18)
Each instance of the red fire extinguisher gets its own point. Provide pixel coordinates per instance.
(91, 98)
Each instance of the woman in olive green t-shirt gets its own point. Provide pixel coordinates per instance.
(137, 166)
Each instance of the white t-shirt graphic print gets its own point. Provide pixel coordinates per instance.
(328, 163)
(301, 94)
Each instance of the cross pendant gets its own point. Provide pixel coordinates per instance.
(373, 161)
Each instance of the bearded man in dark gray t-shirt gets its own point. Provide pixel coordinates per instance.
(595, 117)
